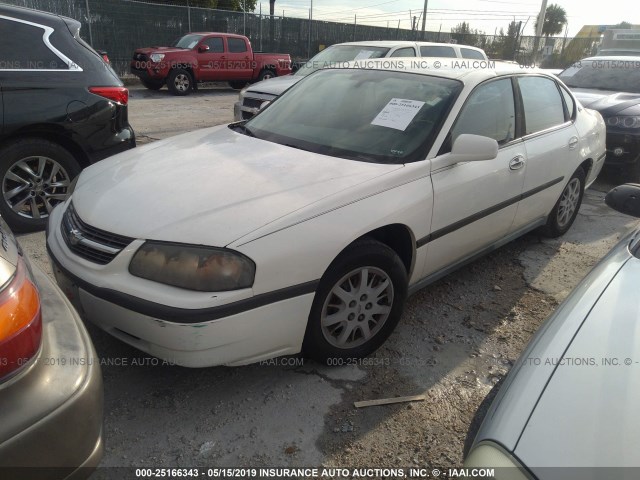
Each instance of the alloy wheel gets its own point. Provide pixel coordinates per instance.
(182, 82)
(357, 307)
(34, 185)
(568, 202)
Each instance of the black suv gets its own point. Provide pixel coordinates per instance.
(62, 108)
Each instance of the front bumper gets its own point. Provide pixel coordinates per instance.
(227, 332)
(51, 413)
(623, 149)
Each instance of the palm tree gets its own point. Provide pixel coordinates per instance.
(555, 19)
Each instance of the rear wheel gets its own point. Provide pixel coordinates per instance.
(151, 85)
(267, 74)
(566, 209)
(35, 175)
(358, 303)
(180, 82)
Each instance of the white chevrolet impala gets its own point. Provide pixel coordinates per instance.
(305, 228)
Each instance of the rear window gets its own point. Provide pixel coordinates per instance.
(236, 45)
(23, 48)
(437, 51)
(471, 53)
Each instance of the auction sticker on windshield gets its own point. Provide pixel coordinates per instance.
(398, 113)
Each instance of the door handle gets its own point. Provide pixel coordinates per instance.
(573, 141)
(516, 163)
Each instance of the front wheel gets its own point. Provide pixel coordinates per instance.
(36, 175)
(566, 209)
(180, 82)
(358, 303)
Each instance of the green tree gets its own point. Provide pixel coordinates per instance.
(623, 25)
(237, 5)
(465, 35)
(555, 19)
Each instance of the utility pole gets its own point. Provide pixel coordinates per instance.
(424, 17)
(541, 15)
(261, 27)
(310, 27)
(355, 23)
(272, 4)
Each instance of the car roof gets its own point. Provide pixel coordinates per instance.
(627, 58)
(465, 70)
(399, 43)
(36, 16)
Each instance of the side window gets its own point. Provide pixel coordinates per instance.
(236, 45)
(22, 48)
(542, 103)
(470, 53)
(568, 101)
(404, 52)
(437, 51)
(215, 44)
(489, 111)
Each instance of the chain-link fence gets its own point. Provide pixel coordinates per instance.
(120, 26)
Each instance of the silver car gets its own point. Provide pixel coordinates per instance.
(50, 380)
(572, 398)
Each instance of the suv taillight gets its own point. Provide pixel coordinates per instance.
(20, 322)
(117, 94)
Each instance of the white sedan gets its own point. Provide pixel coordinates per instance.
(305, 228)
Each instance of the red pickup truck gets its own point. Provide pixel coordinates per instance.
(206, 57)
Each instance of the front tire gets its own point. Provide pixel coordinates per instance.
(180, 82)
(566, 209)
(35, 176)
(358, 303)
(151, 85)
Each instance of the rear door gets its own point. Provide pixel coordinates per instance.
(475, 202)
(239, 59)
(551, 142)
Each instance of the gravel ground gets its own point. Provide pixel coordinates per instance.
(456, 339)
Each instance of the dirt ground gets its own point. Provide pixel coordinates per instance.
(456, 339)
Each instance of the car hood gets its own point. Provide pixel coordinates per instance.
(588, 414)
(210, 187)
(606, 102)
(274, 86)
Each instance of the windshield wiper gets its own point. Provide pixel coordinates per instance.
(242, 128)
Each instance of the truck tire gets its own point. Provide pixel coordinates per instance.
(151, 85)
(180, 82)
(266, 74)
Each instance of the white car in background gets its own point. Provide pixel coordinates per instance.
(252, 97)
(306, 227)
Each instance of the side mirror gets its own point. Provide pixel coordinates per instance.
(468, 148)
(203, 48)
(625, 199)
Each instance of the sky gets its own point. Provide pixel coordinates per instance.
(485, 15)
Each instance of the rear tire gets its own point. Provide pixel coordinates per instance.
(237, 85)
(35, 175)
(566, 209)
(267, 74)
(151, 85)
(180, 82)
(358, 303)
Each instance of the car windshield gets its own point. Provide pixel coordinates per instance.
(368, 115)
(188, 41)
(604, 74)
(335, 54)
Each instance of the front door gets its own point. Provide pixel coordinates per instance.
(475, 202)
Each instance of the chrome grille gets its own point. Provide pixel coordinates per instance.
(89, 242)
(253, 102)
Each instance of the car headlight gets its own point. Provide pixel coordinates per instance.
(204, 269)
(156, 57)
(488, 456)
(624, 121)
